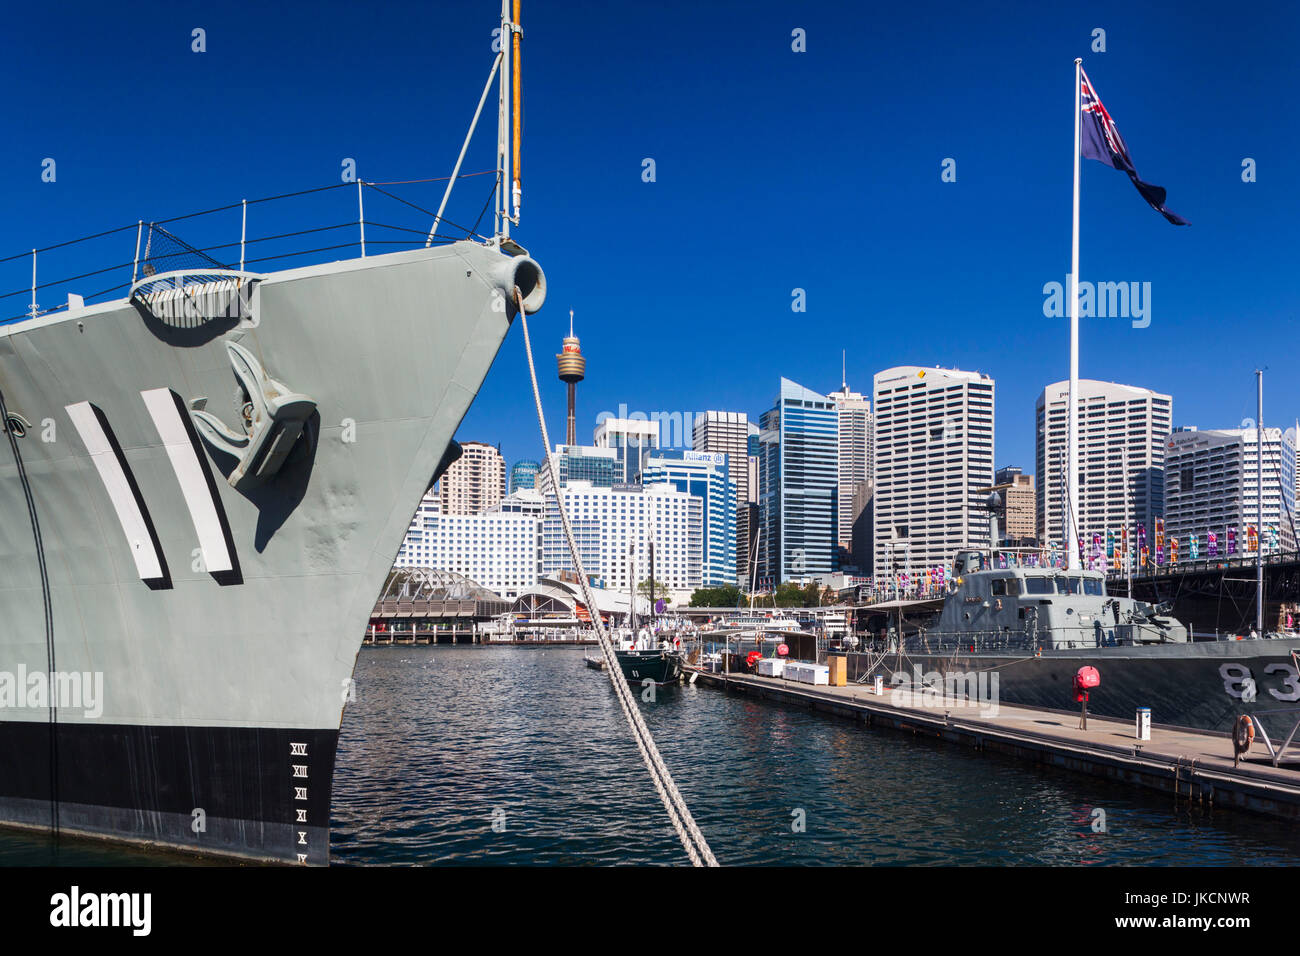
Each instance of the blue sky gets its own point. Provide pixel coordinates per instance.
(775, 170)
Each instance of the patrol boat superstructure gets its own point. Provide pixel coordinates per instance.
(1034, 627)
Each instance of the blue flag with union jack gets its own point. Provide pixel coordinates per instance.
(1102, 142)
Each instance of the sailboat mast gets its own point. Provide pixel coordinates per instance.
(1259, 504)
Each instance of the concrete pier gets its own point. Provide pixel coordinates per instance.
(1191, 764)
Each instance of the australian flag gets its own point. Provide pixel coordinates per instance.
(1102, 142)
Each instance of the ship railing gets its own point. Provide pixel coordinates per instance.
(949, 642)
(232, 243)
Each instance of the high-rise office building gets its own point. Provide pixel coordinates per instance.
(855, 462)
(523, 475)
(734, 435)
(601, 467)
(631, 440)
(1016, 508)
(1122, 436)
(706, 475)
(933, 466)
(1212, 485)
(798, 486)
(474, 482)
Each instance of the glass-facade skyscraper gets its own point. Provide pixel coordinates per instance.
(523, 475)
(798, 486)
(707, 476)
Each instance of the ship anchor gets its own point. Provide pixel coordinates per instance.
(273, 419)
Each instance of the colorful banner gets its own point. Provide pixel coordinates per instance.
(1142, 538)
(1252, 538)
(1194, 543)
(1232, 541)
(1212, 544)
(1160, 534)
(1173, 550)
(1110, 544)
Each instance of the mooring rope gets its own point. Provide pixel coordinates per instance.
(697, 848)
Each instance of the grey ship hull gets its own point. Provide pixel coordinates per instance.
(223, 691)
(1191, 685)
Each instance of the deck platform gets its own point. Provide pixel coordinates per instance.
(1191, 764)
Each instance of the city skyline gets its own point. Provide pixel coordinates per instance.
(950, 270)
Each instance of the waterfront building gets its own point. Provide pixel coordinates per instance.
(933, 466)
(609, 523)
(1122, 434)
(474, 482)
(523, 475)
(631, 439)
(498, 550)
(1212, 486)
(706, 475)
(734, 435)
(798, 486)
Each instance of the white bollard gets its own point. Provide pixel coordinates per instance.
(1144, 723)
(878, 685)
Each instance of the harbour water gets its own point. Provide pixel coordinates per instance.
(492, 756)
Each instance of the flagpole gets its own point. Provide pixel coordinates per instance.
(1072, 406)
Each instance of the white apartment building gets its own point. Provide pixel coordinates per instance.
(1212, 484)
(500, 550)
(933, 455)
(608, 523)
(475, 481)
(1122, 435)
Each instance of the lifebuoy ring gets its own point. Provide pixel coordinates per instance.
(1243, 734)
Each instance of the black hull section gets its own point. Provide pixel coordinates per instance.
(661, 668)
(258, 793)
(1199, 690)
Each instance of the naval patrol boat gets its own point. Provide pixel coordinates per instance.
(204, 483)
(1034, 627)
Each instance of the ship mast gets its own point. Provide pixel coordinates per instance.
(509, 110)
